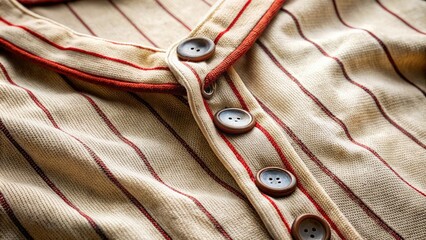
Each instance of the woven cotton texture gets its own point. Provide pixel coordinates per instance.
(105, 134)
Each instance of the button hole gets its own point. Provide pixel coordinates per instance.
(312, 236)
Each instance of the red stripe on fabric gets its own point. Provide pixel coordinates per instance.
(236, 92)
(345, 74)
(52, 186)
(381, 43)
(299, 185)
(118, 84)
(245, 44)
(95, 157)
(191, 152)
(219, 36)
(244, 106)
(207, 3)
(194, 72)
(73, 49)
(231, 147)
(147, 163)
(9, 211)
(172, 15)
(332, 116)
(274, 205)
(80, 19)
(132, 23)
(109, 41)
(37, 169)
(338, 181)
(400, 18)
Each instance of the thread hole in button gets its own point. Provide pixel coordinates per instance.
(314, 229)
(312, 236)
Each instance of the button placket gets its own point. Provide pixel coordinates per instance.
(227, 154)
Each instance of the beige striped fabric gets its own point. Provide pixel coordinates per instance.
(105, 134)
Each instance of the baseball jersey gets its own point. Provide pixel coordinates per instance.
(203, 119)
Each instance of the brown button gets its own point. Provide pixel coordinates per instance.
(310, 227)
(208, 91)
(196, 49)
(234, 120)
(275, 181)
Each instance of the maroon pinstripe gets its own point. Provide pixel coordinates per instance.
(5, 205)
(333, 117)
(73, 49)
(368, 91)
(172, 15)
(283, 158)
(381, 43)
(186, 146)
(142, 156)
(327, 171)
(132, 23)
(34, 165)
(219, 36)
(95, 157)
(79, 18)
(207, 3)
(400, 18)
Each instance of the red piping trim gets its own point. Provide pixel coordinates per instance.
(122, 85)
(332, 116)
(400, 18)
(73, 49)
(245, 44)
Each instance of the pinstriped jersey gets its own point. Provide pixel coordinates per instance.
(106, 133)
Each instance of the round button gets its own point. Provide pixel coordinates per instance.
(275, 182)
(310, 227)
(196, 49)
(234, 120)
